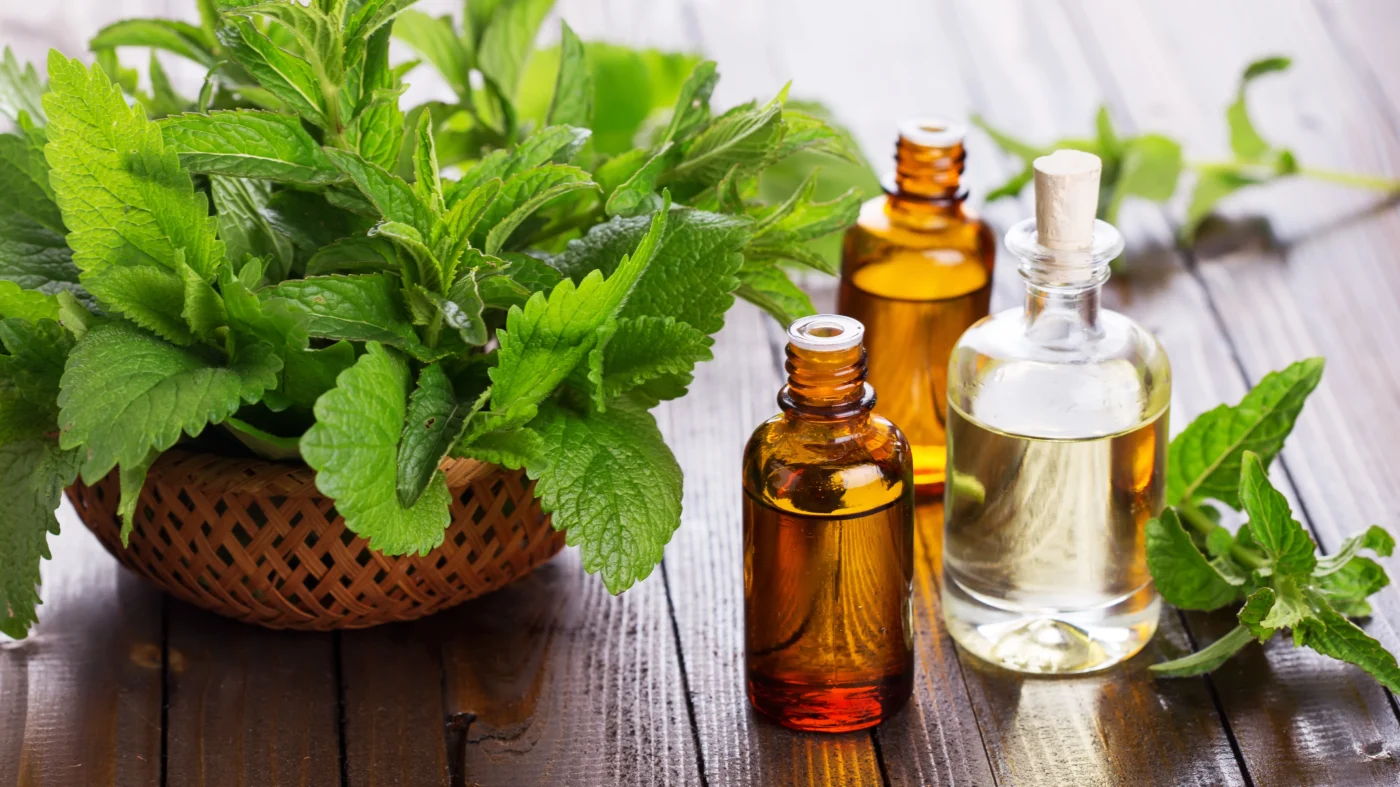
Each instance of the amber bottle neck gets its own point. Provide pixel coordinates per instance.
(926, 188)
(828, 384)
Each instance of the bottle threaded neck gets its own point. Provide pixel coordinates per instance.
(929, 160)
(826, 368)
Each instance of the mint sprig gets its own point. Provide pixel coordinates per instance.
(1270, 563)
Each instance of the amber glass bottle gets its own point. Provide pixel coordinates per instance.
(917, 271)
(828, 543)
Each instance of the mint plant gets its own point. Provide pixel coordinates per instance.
(293, 258)
(1269, 563)
(1150, 166)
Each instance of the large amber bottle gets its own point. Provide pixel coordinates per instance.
(917, 271)
(828, 543)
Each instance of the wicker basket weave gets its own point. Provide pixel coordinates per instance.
(254, 540)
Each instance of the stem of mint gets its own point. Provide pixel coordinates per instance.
(1203, 524)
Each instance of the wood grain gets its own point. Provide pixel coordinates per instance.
(248, 706)
(394, 722)
(80, 697)
(1300, 719)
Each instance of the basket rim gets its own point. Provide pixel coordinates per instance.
(219, 474)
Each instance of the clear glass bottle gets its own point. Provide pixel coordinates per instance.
(828, 543)
(916, 270)
(1057, 450)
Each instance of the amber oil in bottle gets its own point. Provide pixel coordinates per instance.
(828, 543)
(917, 271)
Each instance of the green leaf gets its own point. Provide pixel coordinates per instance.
(542, 343)
(33, 474)
(380, 125)
(1206, 659)
(164, 100)
(391, 196)
(426, 270)
(693, 275)
(1375, 538)
(25, 193)
(30, 368)
(244, 228)
(769, 288)
(357, 308)
(1204, 460)
(249, 143)
(203, 308)
(1348, 588)
(1255, 609)
(288, 77)
(508, 40)
(354, 255)
(437, 41)
(1022, 150)
(1150, 169)
(26, 304)
(262, 442)
(119, 412)
(354, 448)
(148, 295)
(610, 481)
(461, 310)
(427, 184)
(692, 107)
(511, 448)
(1271, 521)
(1289, 607)
(1331, 634)
(125, 198)
(436, 419)
(522, 195)
(735, 138)
(573, 90)
(1212, 186)
(633, 195)
(1110, 146)
(306, 374)
(1183, 575)
(21, 90)
(1244, 140)
(180, 38)
(643, 349)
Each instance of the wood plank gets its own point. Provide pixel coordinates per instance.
(391, 684)
(552, 680)
(248, 705)
(1304, 719)
(80, 697)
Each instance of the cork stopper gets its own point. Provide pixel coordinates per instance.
(1066, 199)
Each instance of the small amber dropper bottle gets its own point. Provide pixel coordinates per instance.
(828, 543)
(917, 271)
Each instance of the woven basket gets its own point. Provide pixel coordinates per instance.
(255, 541)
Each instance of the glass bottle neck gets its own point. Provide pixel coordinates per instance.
(1057, 316)
(925, 190)
(1064, 287)
(826, 384)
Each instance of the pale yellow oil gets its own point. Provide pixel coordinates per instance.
(1044, 560)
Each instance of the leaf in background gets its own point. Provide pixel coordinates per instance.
(612, 484)
(1151, 165)
(1206, 659)
(1183, 575)
(284, 75)
(183, 39)
(357, 308)
(436, 418)
(124, 196)
(1204, 459)
(1331, 634)
(30, 305)
(692, 108)
(769, 288)
(306, 374)
(633, 195)
(381, 124)
(354, 448)
(508, 40)
(1244, 140)
(25, 194)
(244, 227)
(1212, 185)
(164, 99)
(31, 365)
(118, 412)
(693, 275)
(436, 40)
(1109, 144)
(737, 137)
(354, 255)
(249, 144)
(33, 474)
(572, 104)
(21, 90)
(542, 343)
(1271, 521)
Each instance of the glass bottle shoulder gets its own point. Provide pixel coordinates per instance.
(1048, 384)
(827, 467)
(925, 230)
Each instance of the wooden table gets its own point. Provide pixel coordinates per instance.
(553, 681)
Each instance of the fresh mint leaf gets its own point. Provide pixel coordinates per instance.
(769, 288)
(308, 373)
(609, 480)
(242, 205)
(1151, 165)
(572, 103)
(390, 195)
(117, 412)
(461, 310)
(249, 143)
(693, 276)
(520, 196)
(643, 349)
(1244, 139)
(354, 448)
(1271, 521)
(1331, 634)
(436, 419)
(508, 40)
(742, 137)
(380, 124)
(436, 40)
(148, 295)
(25, 193)
(33, 474)
(21, 90)
(1348, 588)
(510, 448)
(125, 198)
(1375, 538)
(1183, 575)
(1256, 608)
(1204, 459)
(1206, 659)
(26, 304)
(692, 108)
(1289, 608)
(1212, 186)
(185, 40)
(358, 308)
(633, 195)
(542, 343)
(288, 77)
(354, 255)
(427, 184)
(203, 308)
